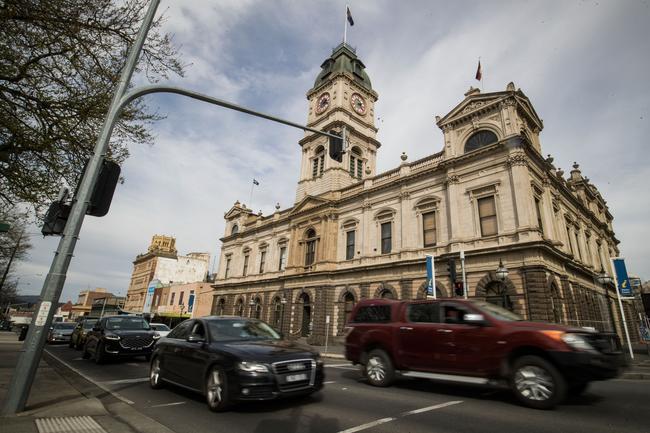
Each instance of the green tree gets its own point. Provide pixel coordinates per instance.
(59, 64)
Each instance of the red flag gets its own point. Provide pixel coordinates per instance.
(479, 73)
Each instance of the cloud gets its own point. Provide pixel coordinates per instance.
(583, 65)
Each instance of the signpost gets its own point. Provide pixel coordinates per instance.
(623, 285)
(431, 277)
(462, 266)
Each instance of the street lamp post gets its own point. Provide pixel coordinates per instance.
(502, 274)
(605, 280)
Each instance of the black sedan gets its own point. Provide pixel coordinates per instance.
(119, 336)
(231, 359)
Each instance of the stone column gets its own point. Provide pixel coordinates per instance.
(538, 303)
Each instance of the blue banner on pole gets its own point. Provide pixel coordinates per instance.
(622, 279)
(430, 276)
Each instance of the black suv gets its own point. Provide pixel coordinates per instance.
(78, 337)
(119, 336)
(234, 358)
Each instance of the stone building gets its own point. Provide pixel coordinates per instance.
(162, 262)
(354, 233)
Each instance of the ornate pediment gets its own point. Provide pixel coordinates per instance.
(236, 211)
(476, 105)
(307, 203)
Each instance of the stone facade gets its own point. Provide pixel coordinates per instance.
(162, 262)
(355, 234)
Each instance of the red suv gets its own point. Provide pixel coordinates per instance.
(477, 342)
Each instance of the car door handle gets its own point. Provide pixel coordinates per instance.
(405, 328)
(445, 331)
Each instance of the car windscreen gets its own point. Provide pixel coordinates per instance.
(159, 327)
(88, 324)
(496, 311)
(241, 330)
(126, 323)
(64, 326)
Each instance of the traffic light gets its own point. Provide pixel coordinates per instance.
(102, 196)
(336, 147)
(451, 268)
(55, 218)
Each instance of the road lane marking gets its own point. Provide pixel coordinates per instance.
(347, 364)
(117, 382)
(427, 409)
(168, 404)
(368, 425)
(328, 382)
(404, 414)
(97, 384)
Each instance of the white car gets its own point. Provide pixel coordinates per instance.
(160, 328)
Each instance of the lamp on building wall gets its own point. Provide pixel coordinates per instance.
(501, 272)
(252, 305)
(603, 278)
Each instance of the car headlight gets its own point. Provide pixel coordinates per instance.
(156, 336)
(577, 342)
(252, 367)
(112, 337)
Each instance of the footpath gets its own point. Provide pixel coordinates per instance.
(62, 402)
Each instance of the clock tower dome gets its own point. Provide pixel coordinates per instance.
(342, 96)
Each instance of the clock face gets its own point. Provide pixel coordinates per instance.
(322, 103)
(358, 103)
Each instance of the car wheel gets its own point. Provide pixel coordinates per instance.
(216, 390)
(537, 383)
(379, 369)
(100, 356)
(154, 374)
(578, 388)
(85, 354)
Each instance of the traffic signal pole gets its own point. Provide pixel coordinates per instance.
(32, 350)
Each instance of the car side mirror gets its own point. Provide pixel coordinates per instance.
(474, 319)
(195, 339)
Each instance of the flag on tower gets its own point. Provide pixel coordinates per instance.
(350, 20)
(479, 73)
(255, 182)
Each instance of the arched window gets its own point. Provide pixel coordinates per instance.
(348, 305)
(277, 312)
(219, 307)
(257, 308)
(239, 308)
(356, 163)
(480, 139)
(556, 304)
(306, 315)
(424, 291)
(318, 162)
(386, 294)
(496, 293)
(310, 247)
(234, 230)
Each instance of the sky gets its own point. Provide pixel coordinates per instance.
(583, 64)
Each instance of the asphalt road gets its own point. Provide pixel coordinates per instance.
(348, 404)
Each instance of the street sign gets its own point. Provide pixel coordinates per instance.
(623, 282)
(153, 285)
(430, 277)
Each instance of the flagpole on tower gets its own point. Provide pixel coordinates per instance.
(345, 25)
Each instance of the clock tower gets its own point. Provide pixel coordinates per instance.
(342, 95)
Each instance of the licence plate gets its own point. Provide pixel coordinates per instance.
(296, 377)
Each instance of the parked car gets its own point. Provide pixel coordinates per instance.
(230, 359)
(160, 328)
(478, 343)
(119, 336)
(78, 337)
(60, 332)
